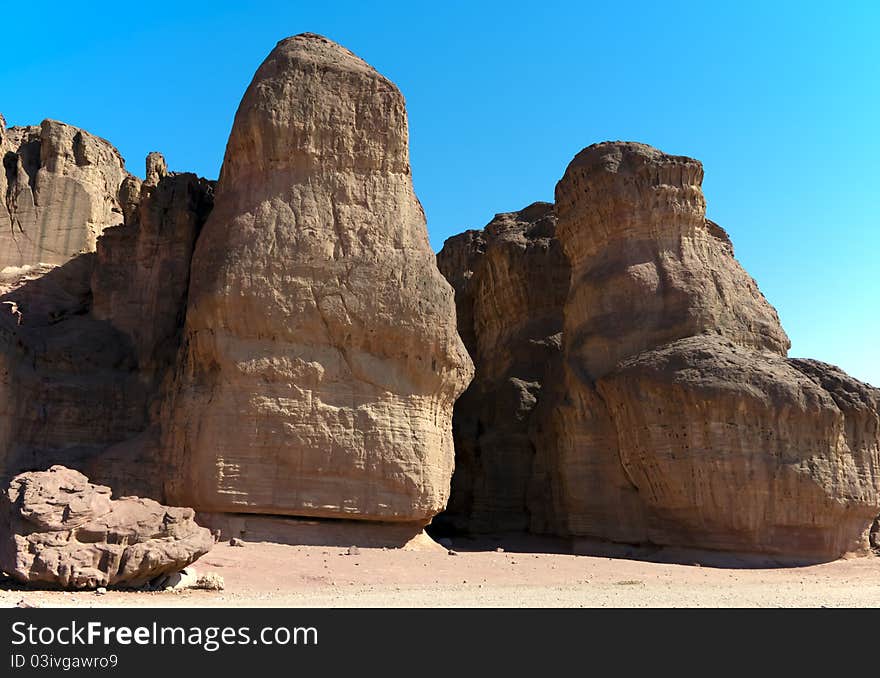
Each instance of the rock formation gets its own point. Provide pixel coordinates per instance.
(321, 356)
(89, 343)
(672, 415)
(58, 529)
(58, 192)
(296, 357)
(288, 349)
(511, 281)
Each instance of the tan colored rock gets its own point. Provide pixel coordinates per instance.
(671, 416)
(322, 360)
(157, 169)
(742, 451)
(676, 418)
(87, 351)
(511, 281)
(59, 190)
(64, 531)
(647, 267)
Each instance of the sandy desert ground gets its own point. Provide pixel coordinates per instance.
(274, 575)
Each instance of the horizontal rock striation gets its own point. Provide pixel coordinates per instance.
(510, 282)
(672, 415)
(321, 356)
(59, 190)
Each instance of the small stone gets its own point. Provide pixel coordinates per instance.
(353, 551)
(450, 552)
(499, 550)
(210, 581)
(235, 541)
(217, 535)
(100, 591)
(24, 604)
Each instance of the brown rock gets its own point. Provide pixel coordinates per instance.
(510, 281)
(671, 416)
(66, 532)
(141, 277)
(322, 360)
(711, 442)
(58, 192)
(92, 340)
(742, 451)
(647, 267)
(875, 534)
(157, 169)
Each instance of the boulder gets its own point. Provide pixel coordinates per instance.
(60, 530)
(321, 357)
(735, 450)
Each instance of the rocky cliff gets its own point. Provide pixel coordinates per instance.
(290, 350)
(86, 345)
(281, 347)
(321, 356)
(671, 415)
(59, 190)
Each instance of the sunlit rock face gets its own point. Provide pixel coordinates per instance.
(671, 414)
(321, 356)
(59, 190)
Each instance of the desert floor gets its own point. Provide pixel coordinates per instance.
(274, 575)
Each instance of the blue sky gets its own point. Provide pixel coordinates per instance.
(781, 103)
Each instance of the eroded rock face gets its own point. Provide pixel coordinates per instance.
(64, 531)
(672, 415)
(647, 267)
(141, 277)
(59, 190)
(742, 451)
(85, 346)
(322, 359)
(511, 280)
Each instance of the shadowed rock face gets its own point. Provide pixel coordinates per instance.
(510, 281)
(59, 190)
(672, 415)
(321, 360)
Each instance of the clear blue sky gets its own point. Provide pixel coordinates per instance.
(781, 103)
